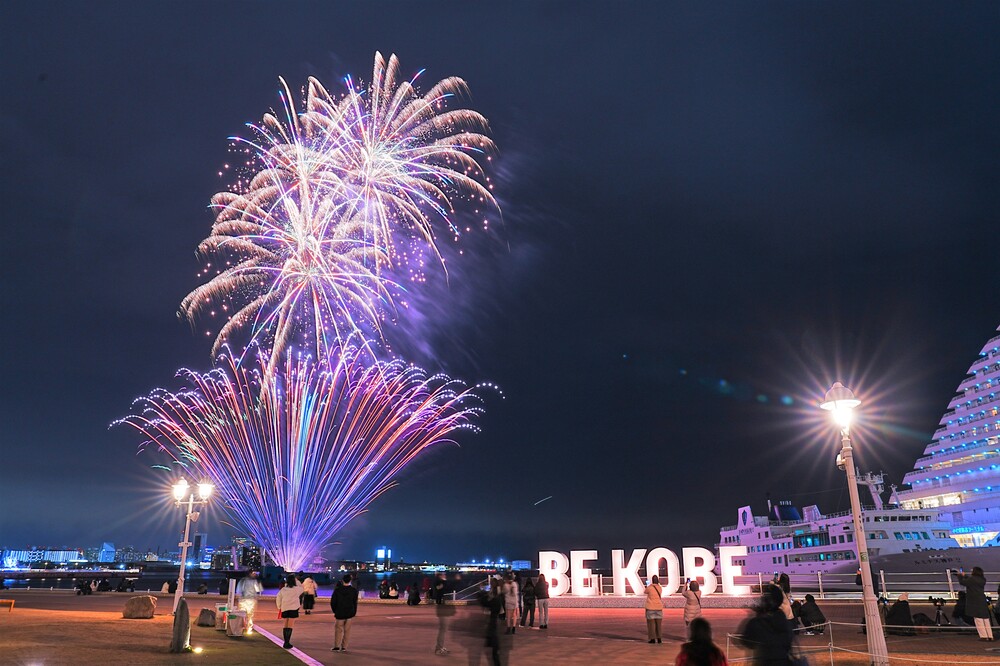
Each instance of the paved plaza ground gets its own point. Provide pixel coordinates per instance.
(58, 627)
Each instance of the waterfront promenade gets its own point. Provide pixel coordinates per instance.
(58, 627)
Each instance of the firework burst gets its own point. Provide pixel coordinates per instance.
(337, 210)
(298, 453)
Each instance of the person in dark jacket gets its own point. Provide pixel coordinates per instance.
(493, 601)
(344, 602)
(958, 614)
(413, 595)
(528, 599)
(975, 601)
(899, 619)
(768, 633)
(811, 616)
(440, 588)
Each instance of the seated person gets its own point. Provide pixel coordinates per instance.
(393, 591)
(203, 589)
(413, 598)
(958, 614)
(899, 617)
(811, 616)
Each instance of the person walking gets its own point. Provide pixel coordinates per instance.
(288, 605)
(440, 588)
(542, 600)
(976, 605)
(528, 599)
(654, 610)
(768, 633)
(249, 589)
(309, 591)
(444, 612)
(344, 602)
(493, 601)
(700, 650)
(510, 597)
(520, 593)
(692, 601)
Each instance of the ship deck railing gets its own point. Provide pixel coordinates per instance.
(938, 584)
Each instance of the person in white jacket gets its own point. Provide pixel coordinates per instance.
(288, 605)
(249, 589)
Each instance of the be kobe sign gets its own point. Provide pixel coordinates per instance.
(573, 575)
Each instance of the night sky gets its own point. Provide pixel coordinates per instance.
(711, 212)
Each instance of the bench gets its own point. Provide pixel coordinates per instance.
(10, 603)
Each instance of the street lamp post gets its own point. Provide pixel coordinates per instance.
(841, 401)
(184, 496)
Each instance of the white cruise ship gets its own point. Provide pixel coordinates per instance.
(948, 518)
(959, 475)
(806, 542)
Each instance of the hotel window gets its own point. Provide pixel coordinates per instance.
(898, 536)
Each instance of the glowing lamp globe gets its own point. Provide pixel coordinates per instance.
(841, 401)
(180, 489)
(205, 490)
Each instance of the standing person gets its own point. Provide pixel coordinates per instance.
(288, 605)
(976, 605)
(654, 610)
(344, 602)
(309, 591)
(249, 589)
(528, 599)
(700, 650)
(542, 599)
(520, 593)
(782, 582)
(510, 597)
(692, 601)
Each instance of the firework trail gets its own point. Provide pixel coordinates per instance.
(298, 453)
(337, 210)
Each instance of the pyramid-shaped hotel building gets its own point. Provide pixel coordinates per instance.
(960, 471)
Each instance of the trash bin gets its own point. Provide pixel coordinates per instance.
(236, 624)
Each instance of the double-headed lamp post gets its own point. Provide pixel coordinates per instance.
(841, 401)
(184, 495)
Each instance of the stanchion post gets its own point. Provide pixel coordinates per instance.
(951, 585)
(819, 579)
